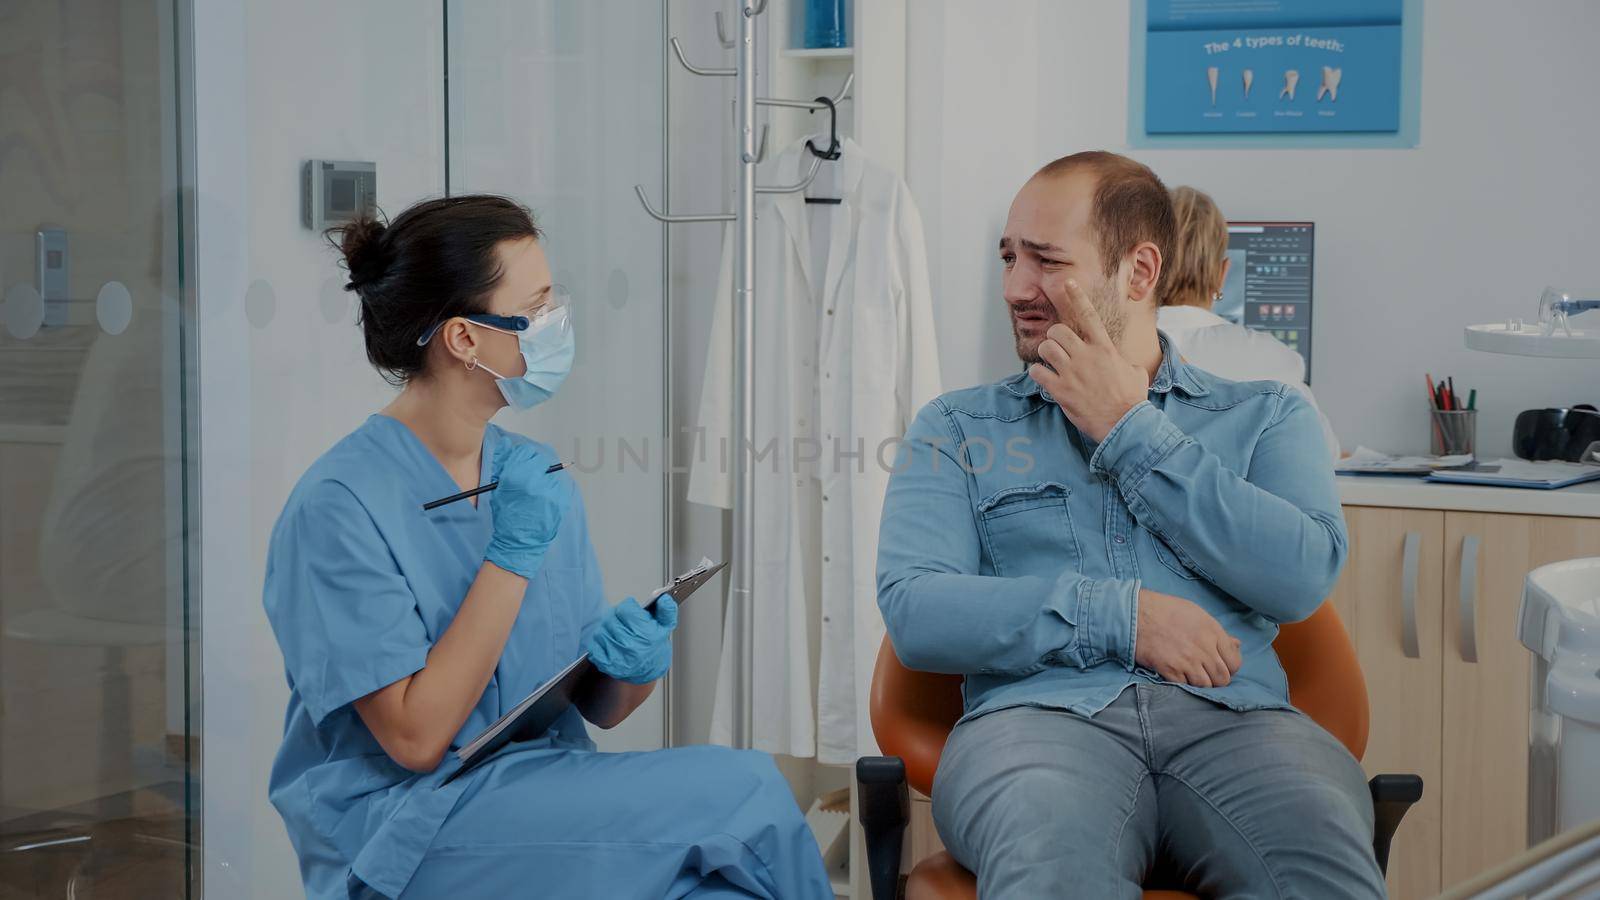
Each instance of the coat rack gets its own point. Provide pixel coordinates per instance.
(751, 152)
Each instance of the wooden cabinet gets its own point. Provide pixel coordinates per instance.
(1390, 598)
(1431, 600)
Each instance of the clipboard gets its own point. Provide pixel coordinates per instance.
(1545, 475)
(530, 719)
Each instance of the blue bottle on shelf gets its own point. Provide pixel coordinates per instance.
(827, 24)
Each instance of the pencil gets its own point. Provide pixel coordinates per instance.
(481, 489)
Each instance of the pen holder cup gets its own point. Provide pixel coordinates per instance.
(1453, 432)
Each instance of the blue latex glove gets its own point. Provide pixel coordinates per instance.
(527, 507)
(633, 645)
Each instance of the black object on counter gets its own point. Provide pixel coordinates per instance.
(1544, 434)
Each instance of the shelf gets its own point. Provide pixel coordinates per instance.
(1529, 340)
(823, 53)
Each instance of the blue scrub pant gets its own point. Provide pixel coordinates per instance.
(696, 822)
(1042, 803)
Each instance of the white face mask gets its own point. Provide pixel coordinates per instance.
(548, 349)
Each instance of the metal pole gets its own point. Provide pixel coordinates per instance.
(741, 596)
(669, 733)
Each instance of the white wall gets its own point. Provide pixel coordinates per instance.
(1498, 199)
(700, 132)
(282, 371)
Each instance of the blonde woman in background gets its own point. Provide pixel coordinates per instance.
(1191, 281)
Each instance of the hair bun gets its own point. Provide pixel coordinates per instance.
(366, 252)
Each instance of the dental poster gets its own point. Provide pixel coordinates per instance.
(1272, 66)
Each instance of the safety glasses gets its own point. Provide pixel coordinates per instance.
(1557, 306)
(551, 311)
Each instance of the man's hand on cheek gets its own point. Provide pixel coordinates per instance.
(1085, 373)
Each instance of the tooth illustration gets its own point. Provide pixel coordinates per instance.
(1291, 77)
(1211, 79)
(1249, 78)
(1330, 83)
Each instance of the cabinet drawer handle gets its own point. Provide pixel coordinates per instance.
(1469, 599)
(1408, 597)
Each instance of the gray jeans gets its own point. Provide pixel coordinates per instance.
(1043, 803)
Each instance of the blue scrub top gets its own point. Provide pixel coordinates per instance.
(360, 582)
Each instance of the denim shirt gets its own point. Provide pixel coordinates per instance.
(1013, 548)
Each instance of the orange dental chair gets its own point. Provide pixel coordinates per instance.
(913, 712)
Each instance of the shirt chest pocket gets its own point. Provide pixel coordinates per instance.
(1027, 530)
(1169, 558)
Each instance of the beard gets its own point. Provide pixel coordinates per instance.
(1113, 314)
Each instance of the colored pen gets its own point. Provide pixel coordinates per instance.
(1455, 398)
(1472, 399)
(1433, 406)
(481, 489)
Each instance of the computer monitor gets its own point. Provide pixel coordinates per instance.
(1269, 281)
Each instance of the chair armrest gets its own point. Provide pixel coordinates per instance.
(1392, 795)
(885, 809)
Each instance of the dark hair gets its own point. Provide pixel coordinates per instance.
(1131, 205)
(435, 261)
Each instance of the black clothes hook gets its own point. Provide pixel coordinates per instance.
(833, 152)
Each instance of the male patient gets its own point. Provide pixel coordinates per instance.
(1104, 546)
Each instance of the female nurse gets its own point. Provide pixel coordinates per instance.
(404, 633)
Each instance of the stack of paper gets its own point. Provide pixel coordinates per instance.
(1366, 461)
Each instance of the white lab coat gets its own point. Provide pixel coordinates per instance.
(1237, 353)
(844, 356)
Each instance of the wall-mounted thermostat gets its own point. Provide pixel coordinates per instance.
(52, 274)
(335, 191)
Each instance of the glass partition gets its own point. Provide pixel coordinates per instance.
(97, 763)
(559, 104)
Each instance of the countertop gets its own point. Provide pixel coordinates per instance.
(1581, 500)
